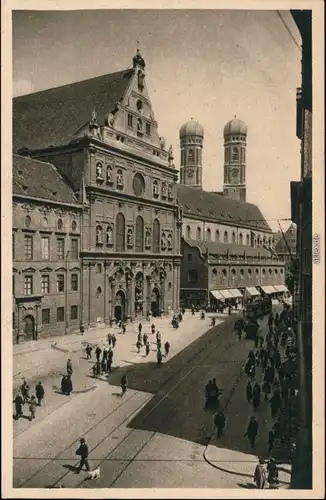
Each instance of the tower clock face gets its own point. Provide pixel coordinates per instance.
(234, 173)
(190, 173)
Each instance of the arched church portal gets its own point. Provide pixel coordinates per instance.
(120, 305)
(155, 302)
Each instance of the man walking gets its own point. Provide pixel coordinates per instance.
(114, 339)
(32, 407)
(256, 396)
(39, 391)
(83, 453)
(98, 351)
(69, 367)
(219, 422)
(252, 431)
(19, 402)
(109, 338)
(25, 391)
(260, 474)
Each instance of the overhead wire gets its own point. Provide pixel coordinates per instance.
(288, 30)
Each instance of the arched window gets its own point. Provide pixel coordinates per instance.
(248, 239)
(235, 153)
(139, 234)
(99, 235)
(240, 239)
(208, 234)
(139, 126)
(217, 235)
(191, 154)
(198, 233)
(28, 221)
(188, 232)
(233, 237)
(226, 237)
(156, 236)
(120, 238)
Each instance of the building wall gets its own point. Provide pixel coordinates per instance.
(193, 276)
(194, 224)
(36, 221)
(236, 274)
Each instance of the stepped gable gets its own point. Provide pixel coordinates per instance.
(52, 117)
(205, 205)
(40, 180)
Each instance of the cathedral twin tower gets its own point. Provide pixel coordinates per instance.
(191, 145)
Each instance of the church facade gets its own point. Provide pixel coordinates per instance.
(227, 245)
(105, 144)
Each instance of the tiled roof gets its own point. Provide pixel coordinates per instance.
(221, 248)
(291, 238)
(217, 208)
(52, 117)
(40, 180)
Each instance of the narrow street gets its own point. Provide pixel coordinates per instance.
(158, 434)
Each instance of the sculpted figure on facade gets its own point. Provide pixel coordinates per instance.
(163, 241)
(109, 235)
(119, 178)
(148, 238)
(170, 192)
(129, 237)
(170, 241)
(99, 171)
(163, 190)
(108, 174)
(155, 188)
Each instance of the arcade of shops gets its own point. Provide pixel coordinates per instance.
(229, 296)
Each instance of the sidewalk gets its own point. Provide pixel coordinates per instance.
(240, 460)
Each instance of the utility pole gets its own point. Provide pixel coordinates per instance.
(66, 294)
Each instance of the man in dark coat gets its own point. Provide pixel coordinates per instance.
(39, 391)
(275, 402)
(69, 367)
(25, 391)
(140, 326)
(114, 339)
(219, 422)
(256, 396)
(19, 402)
(249, 391)
(252, 431)
(88, 351)
(83, 453)
(98, 351)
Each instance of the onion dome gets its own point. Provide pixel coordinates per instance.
(192, 128)
(235, 126)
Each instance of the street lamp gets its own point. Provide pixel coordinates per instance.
(66, 295)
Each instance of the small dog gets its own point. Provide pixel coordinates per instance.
(94, 474)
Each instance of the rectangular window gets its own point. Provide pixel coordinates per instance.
(189, 257)
(60, 314)
(45, 247)
(74, 249)
(13, 247)
(74, 282)
(98, 268)
(45, 316)
(45, 283)
(74, 312)
(129, 120)
(28, 285)
(28, 247)
(61, 248)
(192, 276)
(148, 129)
(60, 283)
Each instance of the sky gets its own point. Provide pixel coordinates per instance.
(205, 64)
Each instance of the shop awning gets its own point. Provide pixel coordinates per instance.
(235, 293)
(281, 288)
(217, 294)
(268, 289)
(227, 294)
(252, 291)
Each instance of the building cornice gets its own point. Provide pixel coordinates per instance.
(24, 197)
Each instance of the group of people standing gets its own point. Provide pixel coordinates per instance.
(143, 340)
(103, 365)
(23, 397)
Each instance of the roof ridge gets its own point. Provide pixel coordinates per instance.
(72, 83)
(34, 160)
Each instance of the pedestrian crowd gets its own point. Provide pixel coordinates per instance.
(23, 398)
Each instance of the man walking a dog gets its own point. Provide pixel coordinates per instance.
(83, 453)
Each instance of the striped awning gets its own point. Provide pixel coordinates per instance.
(268, 289)
(217, 294)
(227, 294)
(235, 293)
(252, 291)
(281, 288)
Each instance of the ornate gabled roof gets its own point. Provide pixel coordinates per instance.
(291, 239)
(211, 206)
(40, 180)
(52, 117)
